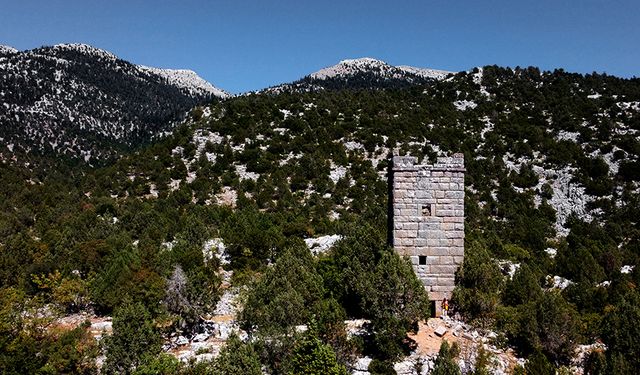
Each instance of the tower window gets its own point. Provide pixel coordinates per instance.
(422, 260)
(426, 210)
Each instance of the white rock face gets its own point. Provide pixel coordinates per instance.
(7, 49)
(567, 198)
(337, 172)
(567, 136)
(366, 64)
(463, 105)
(509, 267)
(241, 170)
(228, 304)
(348, 67)
(200, 139)
(410, 364)
(551, 252)
(356, 327)
(320, 245)
(626, 269)
(477, 79)
(215, 248)
(102, 326)
(425, 72)
(187, 79)
(200, 337)
(558, 282)
(633, 106)
(361, 366)
(227, 197)
(583, 350)
(86, 49)
(353, 145)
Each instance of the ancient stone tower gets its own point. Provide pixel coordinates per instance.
(427, 223)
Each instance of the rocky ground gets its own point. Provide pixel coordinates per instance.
(210, 336)
(429, 338)
(214, 330)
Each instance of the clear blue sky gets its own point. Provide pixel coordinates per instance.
(242, 45)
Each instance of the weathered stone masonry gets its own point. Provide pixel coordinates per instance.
(428, 219)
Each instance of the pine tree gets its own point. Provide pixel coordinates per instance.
(134, 338)
(312, 357)
(445, 363)
(237, 358)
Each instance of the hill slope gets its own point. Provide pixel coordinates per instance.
(82, 102)
(552, 200)
(362, 73)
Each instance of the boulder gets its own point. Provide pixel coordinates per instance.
(200, 337)
(361, 366)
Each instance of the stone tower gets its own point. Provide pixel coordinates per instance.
(427, 222)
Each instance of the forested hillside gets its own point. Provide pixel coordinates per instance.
(362, 73)
(83, 103)
(552, 239)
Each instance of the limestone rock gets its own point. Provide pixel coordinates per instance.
(361, 366)
(200, 337)
(320, 245)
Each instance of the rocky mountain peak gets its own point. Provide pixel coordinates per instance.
(187, 79)
(7, 49)
(81, 48)
(84, 102)
(380, 68)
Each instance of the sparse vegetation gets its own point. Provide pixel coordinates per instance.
(302, 164)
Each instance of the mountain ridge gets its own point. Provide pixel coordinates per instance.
(552, 192)
(348, 67)
(85, 103)
(364, 72)
(184, 78)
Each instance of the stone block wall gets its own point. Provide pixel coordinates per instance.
(427, 222)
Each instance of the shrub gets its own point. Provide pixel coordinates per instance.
(378, 367)
(538, 364)
(372, 281)
(134, 338)
(478, 282)
(522, 288)
(163, 364)
(557, 327)
(286, 295)
(445, 362)
(629, 170)
(620, 330)
(311, 356)
(237, 357)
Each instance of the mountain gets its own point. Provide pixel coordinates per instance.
(552, 240)
(361, 73)
(569, 142)
(352, 67)
(7, 49)
(82, 102)
(187, 80)
(552, 197)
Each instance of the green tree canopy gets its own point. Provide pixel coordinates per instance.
(134, 338)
